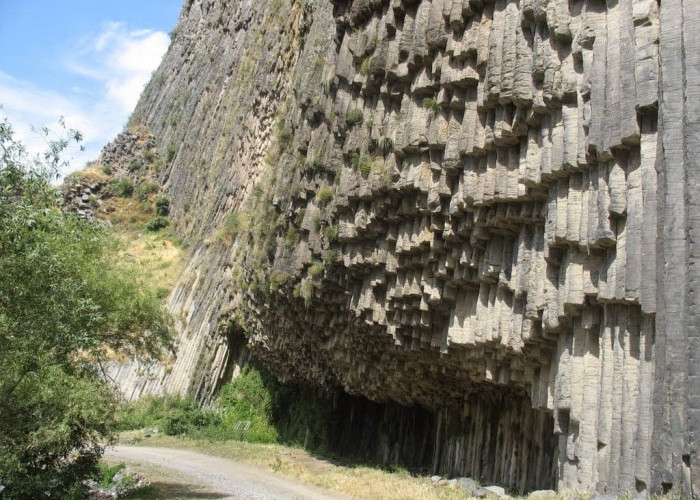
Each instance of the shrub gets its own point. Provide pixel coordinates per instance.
(149, 155)
(145, 190)
(123, 187)
(354, 160)
(354, 117)
(162, 206)
(234, 224)
(106, 169)
(292, 237)
(134, 166)
(299, 217)
(331, 233)
(157, 223)
(247, 399)
(366, 165)
(324, 195)
(189, 419)
(284, 136)
(330, 256)
(316, 269)
(277, 279)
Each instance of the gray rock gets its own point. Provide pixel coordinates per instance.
(541, 210)
(496, 490)
(467, 484)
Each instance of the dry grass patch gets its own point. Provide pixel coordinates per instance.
(94, 172)
(159, 258)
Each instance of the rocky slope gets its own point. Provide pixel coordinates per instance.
(487, 208)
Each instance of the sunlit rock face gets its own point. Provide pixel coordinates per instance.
(485, 208)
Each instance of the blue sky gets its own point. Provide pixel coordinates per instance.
(85, 60)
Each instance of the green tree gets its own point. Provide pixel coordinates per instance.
(66, 305)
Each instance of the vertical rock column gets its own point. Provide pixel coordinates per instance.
(675, 455)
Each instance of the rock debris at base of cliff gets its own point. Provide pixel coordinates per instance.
(485, 208)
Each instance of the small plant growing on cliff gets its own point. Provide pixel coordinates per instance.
(170, 153)
(149, 155)
(366, 163)
(278, 279)
(299, 217)
(234, 224)
(355, 160)
(331, 233)
(284, 136)
(431, 104)
(316, 269)
(306, 291)
(292, 237)
(354, 117)
(384, 144)
(365, 66)
(106, 169)
(324, 195)
(330, 256)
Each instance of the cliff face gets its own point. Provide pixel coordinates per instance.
(486, 208)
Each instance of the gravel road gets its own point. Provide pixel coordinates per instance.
(229, 478)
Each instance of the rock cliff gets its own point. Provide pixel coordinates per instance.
(486, 208)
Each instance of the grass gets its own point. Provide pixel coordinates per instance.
(431, 104)
(357, 481)
(159, 255)
(92, 173)
(354, 117)
(324, 196)
(366, 66)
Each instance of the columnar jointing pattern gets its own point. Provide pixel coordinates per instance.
(505, 235)
(514, 184)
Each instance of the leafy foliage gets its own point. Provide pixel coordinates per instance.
(65, 302)
(162, 206)
(123, 187)
(157, 223)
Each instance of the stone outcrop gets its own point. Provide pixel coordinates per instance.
(487, 208)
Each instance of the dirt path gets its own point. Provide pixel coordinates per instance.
(227, 478)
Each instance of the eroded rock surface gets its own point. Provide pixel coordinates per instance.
(486, 208)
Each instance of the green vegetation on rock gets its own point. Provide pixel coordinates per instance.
(354, 117)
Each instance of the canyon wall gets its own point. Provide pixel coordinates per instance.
(485, 208)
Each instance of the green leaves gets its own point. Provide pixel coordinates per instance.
(66, 303)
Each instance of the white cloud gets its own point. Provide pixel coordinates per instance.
(118, 62)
